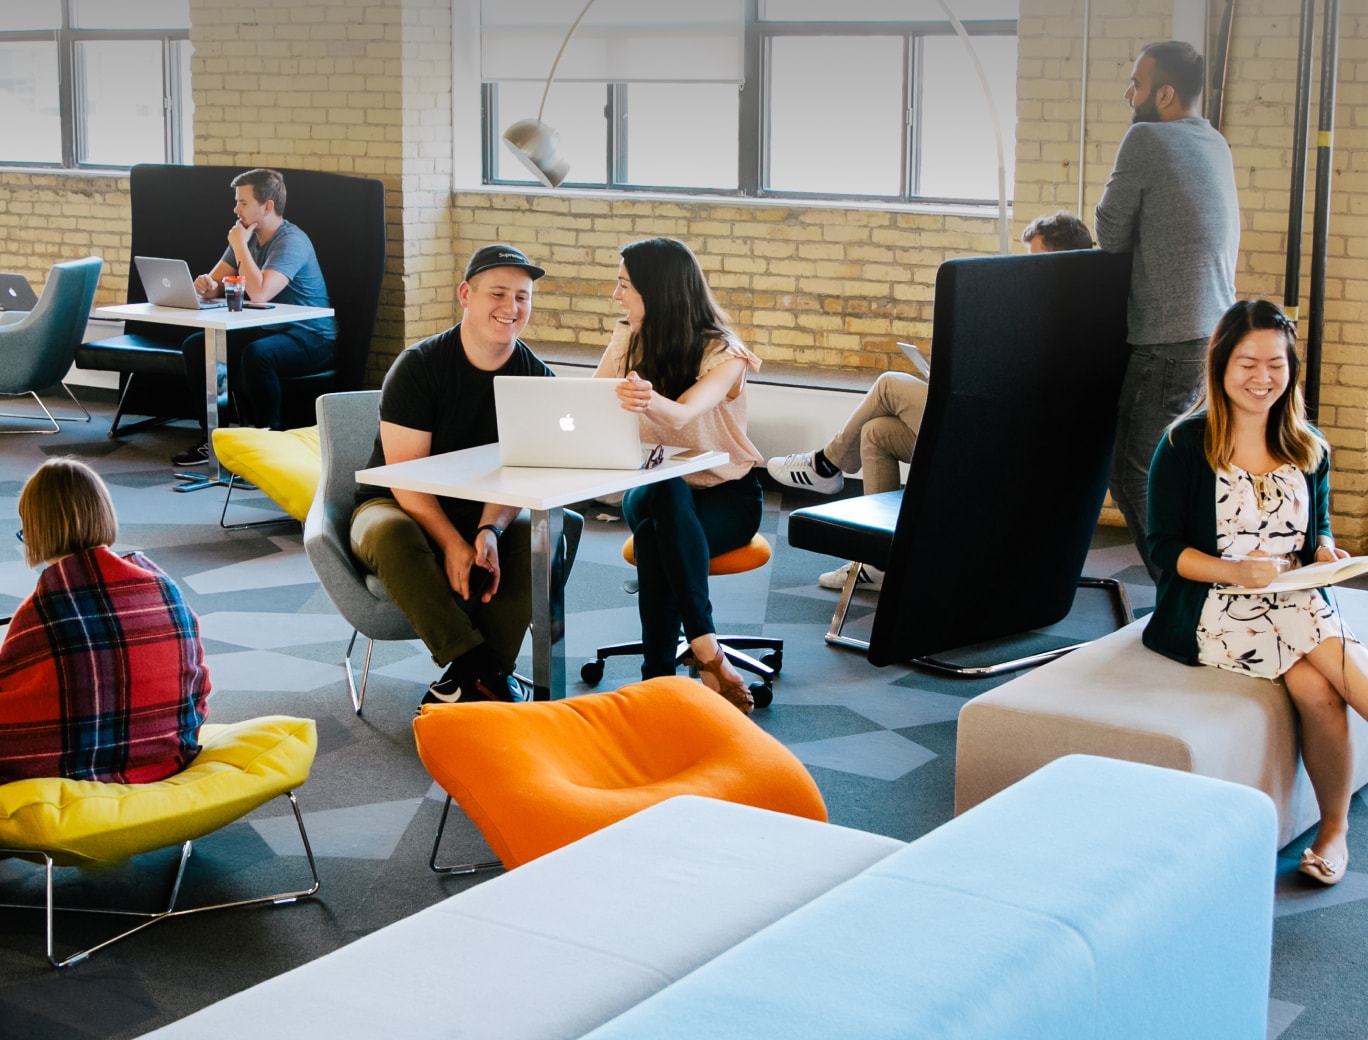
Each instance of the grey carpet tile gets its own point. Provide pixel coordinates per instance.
(879, 741)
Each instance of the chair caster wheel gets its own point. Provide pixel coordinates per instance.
(762, 693)
(592, 672)
(773, 660)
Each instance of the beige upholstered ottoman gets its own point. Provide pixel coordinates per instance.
(1115, 698)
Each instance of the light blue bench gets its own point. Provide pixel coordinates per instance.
(1093, 899)
(1096, 898)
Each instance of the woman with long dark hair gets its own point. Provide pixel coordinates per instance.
(683, 371)
(1239, 491)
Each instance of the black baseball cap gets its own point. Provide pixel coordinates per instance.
(487, 257)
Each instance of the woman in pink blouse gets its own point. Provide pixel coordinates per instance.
(683, 371)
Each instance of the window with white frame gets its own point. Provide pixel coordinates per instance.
(866, 99)
(90, 83)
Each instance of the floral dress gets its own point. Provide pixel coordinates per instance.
(1263, 634)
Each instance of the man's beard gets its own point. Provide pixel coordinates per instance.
(1146, 112)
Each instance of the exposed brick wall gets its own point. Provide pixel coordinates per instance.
(1258, 122)
(349, 86)
(832, 287)
(365, 87)
(49, 217)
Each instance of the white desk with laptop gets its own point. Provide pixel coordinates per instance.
(172, 300)
(561, 441)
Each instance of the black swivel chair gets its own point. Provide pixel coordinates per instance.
(185, 212)
(1010, 469)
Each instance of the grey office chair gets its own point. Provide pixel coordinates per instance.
(39, 348)
(347, 423)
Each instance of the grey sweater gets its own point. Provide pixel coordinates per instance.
(1171, 202)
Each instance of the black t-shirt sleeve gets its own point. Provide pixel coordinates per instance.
(407, 395)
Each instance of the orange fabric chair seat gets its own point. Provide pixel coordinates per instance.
(538, 775)
(738, 561)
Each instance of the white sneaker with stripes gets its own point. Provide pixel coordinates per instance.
(870, 578)
(798, 471)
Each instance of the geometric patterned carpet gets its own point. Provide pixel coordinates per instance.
(879, 741)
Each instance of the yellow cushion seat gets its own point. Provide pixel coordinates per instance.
(284, 464)
(538, 775)
(84, 822)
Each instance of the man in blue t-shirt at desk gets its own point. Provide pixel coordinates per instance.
(276, 262)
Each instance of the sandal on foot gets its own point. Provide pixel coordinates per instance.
(1326, 871)
(734, 690)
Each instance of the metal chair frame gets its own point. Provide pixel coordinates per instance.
(836, 636)
(236, 481)
(56, 428)
(149, 918)
(454, 868)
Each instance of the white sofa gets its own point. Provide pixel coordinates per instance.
(1096, 898)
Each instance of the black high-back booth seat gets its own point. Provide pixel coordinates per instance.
(185, 212)
(1010, 468)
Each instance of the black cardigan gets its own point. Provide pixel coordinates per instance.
(1182, 514)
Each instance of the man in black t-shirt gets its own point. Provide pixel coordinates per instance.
(458, 570)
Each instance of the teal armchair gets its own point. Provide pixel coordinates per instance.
(38, 348)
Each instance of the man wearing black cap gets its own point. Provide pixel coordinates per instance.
(459, 570)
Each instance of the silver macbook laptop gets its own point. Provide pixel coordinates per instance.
(168, 284)
(918, 359)
(15, 293)
(564, 423)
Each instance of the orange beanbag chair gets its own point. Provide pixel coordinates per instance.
(535, 776)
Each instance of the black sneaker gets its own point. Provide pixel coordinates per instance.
(449, 691)
(196, 456)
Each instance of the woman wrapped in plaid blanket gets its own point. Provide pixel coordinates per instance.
(102, 673)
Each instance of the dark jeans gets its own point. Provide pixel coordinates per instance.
(1162, 381)
(257, 358)
(677, 530)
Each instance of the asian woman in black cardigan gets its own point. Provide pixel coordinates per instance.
(1239, 491)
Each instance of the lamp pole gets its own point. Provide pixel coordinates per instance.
(997, 126)
(532, 141)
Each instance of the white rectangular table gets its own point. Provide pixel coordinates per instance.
(216, 323)
(476, 475)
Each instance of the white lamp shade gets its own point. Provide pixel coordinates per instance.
(536, 145)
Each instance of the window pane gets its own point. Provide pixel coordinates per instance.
(28, 96)
(958, 151)
(145, 14)
(884, 10)
(183, 103)
(836, 115)
(121, 101)
(682, 135)
(575, 110)
(19, 15)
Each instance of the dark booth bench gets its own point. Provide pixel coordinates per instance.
(185, 212)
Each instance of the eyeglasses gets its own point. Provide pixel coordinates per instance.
(19, 534)
(656, 457)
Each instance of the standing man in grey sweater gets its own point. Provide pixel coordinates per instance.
(1170, 201)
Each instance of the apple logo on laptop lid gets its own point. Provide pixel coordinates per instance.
(567, 422)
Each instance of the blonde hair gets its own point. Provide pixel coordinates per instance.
(65, 508)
